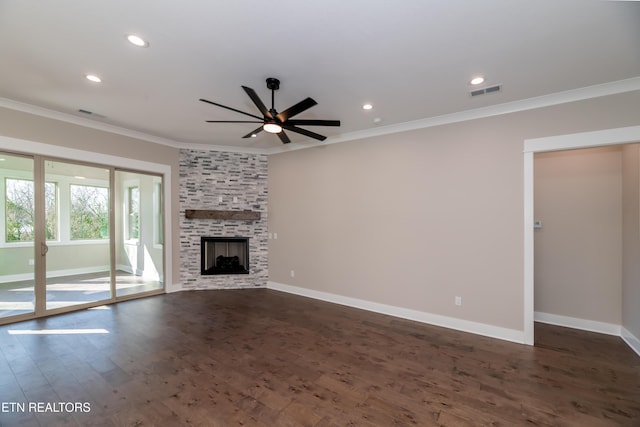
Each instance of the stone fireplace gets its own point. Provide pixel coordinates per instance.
(223, 197)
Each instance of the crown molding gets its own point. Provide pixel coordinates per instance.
(596, 91)
(81, 121)
(580, 94)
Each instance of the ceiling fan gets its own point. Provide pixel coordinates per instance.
(274, 122)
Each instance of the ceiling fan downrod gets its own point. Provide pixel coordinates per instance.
(273, 84)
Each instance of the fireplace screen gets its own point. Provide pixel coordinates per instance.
(225, 255)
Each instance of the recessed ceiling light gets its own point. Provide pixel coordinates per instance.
(377, 120)
(93, 78)
(367, 107)
(137, 40)
(477, 80)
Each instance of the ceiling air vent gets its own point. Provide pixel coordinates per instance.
(91, 113)
(490, 89)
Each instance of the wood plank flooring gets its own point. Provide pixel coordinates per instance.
(264, 358)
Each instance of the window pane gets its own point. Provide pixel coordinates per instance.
(157, 218)
(19, 211)
(134, 213)
(89, 213)
(51, 210)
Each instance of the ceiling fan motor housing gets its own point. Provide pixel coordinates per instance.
(273, 83)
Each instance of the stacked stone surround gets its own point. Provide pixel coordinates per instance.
(205, 177)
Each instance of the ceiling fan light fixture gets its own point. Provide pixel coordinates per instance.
(272, 128)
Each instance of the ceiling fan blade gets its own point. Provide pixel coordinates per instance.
(232, 121)
(232, 109)
(256, 100)
(303, 122)
(283, 137)
(301, 106)
(255, 132)
(305, 132)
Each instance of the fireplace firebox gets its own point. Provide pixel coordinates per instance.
(224, 255)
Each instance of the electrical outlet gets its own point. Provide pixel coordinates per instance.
(458, 300)
(31, 261)
(293, 273)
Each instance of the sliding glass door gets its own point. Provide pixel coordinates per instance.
(78, 257)
(139, 224)
(17, 235)
(76, 235)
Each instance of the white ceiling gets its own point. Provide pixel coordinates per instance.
(412, 59)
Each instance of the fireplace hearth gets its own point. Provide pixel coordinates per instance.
(224, 255)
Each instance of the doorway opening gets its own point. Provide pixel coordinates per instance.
(557, 143)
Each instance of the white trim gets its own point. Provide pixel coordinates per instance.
(528, 250)
(597, 138)
(588, 92)
(83, 121)
(596, 91)
(8, 278)
(55, 273)
(125, 268)
(577, 323)
(631, 340)
(38, 148)
(405, 313)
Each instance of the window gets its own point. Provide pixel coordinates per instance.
(157, 213)
(133, 213)
(20, 210)
(89, 212)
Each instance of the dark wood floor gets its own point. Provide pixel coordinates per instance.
(265, 358)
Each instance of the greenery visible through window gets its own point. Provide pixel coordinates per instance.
(158, 213)
(133, 204)
(20, 210)
(89, 213)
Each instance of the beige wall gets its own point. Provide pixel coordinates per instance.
(578, 250)
(417, 218)
(30, 127)
(631, 239)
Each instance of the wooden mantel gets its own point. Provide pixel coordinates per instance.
(227, 215)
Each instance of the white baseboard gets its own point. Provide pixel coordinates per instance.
(405, 313)
(124, 267)
(576, 323)
(57, 273)
(631, 340)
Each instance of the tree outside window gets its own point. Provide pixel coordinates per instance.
(89, 213)
(20, 210)
(133, 204)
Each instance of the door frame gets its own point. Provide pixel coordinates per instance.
(616, 136)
